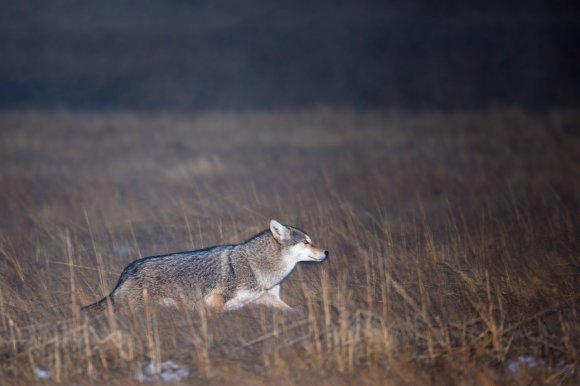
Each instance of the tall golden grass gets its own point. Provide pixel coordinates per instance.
(453, 238)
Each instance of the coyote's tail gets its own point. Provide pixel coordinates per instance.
(97, 308)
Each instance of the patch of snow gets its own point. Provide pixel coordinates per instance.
(169, 371)
(527, 361)
(41, 373)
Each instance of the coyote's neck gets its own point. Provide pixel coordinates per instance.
(267, 260)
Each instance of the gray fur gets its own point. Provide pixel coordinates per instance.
(224, 277)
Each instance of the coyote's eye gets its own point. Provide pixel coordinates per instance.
(306, 242)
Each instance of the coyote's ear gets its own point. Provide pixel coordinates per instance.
(280, 232)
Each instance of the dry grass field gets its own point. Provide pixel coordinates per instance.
(453, 239)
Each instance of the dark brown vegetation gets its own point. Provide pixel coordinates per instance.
(453, 240)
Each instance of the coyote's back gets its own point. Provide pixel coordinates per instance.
(224, 277)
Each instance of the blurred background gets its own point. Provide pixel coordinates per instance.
(199, 55)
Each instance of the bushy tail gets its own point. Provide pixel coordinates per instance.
(97, 308)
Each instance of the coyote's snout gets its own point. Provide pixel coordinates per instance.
(223, 278)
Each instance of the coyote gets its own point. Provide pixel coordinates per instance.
(222, 278)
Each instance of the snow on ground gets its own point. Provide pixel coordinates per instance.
(168, 371)
(41, 373)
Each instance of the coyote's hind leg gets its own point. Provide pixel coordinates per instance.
(215, 302)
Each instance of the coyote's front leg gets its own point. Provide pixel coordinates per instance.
(240, 299)
(271, 298)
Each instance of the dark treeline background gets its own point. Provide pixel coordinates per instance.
(195, 55)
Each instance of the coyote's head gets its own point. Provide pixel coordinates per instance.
(296, 244)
